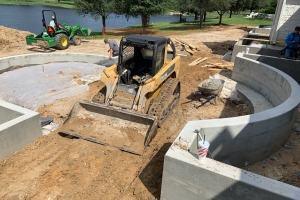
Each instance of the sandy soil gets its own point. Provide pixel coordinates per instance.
(55, 167)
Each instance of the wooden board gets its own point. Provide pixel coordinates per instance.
(197, 61)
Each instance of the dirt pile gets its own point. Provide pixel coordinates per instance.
(12, 39)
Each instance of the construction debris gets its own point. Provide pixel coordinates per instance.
(217, 65)
(186, 46)
(197, 61)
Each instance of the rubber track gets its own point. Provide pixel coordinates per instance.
(164, 99)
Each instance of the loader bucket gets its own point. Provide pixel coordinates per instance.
(123, 129)
(86, 31)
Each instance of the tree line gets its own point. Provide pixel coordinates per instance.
(145, 8)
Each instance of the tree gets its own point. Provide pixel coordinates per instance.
(202, 6)
(96, 8)
(237, 6)
(273, 3)
(221, 6)
(143, 8)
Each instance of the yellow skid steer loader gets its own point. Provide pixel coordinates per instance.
(140, 92)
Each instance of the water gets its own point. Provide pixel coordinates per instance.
(29, 18)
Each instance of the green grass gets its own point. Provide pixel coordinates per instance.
(63, 4)
(167, 28)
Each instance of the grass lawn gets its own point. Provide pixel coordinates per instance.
(158, 28)
(63, 4)
(166, 28)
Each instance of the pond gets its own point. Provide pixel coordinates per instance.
(29, 18)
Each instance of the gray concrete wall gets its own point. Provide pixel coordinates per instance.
(239, 140)
(20, 127)
(265, 31)
(9, 63)
(185, 177)
(8, 114)
(269, 50)
(290, 67)
(270, 128)
(272, 84)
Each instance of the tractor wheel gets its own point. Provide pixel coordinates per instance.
(76, 40)
(62, 41)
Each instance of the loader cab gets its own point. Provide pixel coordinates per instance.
(140, 57)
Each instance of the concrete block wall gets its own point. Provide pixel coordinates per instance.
(238, 140)
(286, 19)
(18, 127)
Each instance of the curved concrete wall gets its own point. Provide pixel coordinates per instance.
(12, 62)
(290, 67)
(273, 84)
(239, 140)
(253, 137)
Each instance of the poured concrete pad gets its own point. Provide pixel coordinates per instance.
(33, 86)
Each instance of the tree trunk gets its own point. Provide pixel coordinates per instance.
(145, 19)
(230, 13)
(201, 19)
(103, 25)
(204, 16)
(196, 15)
(180, 17)
(220, 20)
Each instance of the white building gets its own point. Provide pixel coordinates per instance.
(287, 17)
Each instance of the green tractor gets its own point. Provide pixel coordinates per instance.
(58, 36)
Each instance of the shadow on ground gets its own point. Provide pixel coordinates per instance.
(41, 49)
(151, 176)
(220, 48)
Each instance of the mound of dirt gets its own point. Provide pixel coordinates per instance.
(12, 39)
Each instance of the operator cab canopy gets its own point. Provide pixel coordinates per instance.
(141, 55)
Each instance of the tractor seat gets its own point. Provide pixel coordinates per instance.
(50, 31)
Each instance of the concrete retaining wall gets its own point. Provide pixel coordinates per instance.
(185, 177)
(12, 62)
(290, 67)
(268, 51)
(238, 140)
(265, 31)
(18, 127)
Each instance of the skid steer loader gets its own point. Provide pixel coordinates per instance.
(140, 92)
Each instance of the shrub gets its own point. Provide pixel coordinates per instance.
(268, 10)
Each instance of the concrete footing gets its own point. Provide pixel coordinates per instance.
(239, 141)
